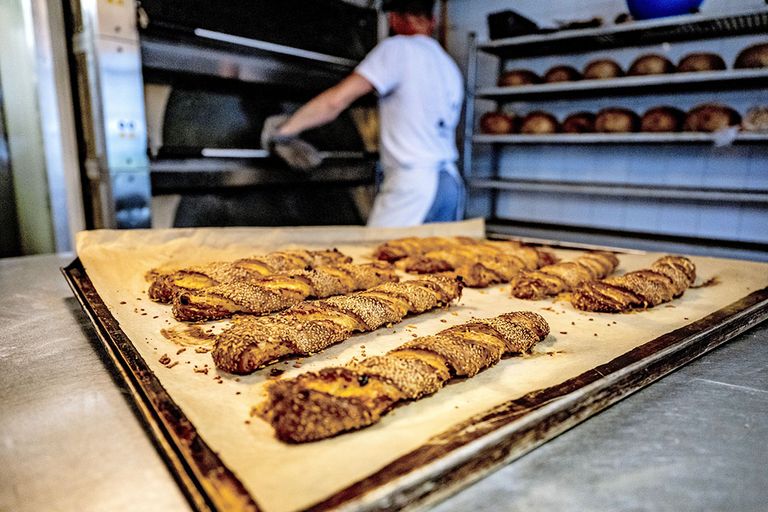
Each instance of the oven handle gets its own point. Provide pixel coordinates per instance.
(274, 48)
(262, 153)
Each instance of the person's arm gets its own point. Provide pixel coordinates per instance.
(327, 106)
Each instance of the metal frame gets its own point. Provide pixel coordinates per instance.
(469, 111)
(675, 28)
(623, 190)
(106, 46)
(624, 138)
(637, 84)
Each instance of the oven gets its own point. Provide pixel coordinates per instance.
(173, 96)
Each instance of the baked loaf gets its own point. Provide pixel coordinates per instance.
(696, 62)
(616, 120)
(580, 122)
(318, 405)
(253, 342)
(756, 120)
(753, 57)
(482, 265)
(497, 123)
(279, 291)
(602, 69)
(517, 77)
(539, 123)
(414, 246)
(165, 284)
(711, 117)
(662, 119)
(667, 279)
(651, 65)
(564, 276)
(562, 74)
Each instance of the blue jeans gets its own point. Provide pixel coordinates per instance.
(448, 205)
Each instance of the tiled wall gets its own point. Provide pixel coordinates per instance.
(743, 167)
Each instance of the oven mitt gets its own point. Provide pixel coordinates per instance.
(297, 153)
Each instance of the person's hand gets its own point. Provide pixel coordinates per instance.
(297, 153)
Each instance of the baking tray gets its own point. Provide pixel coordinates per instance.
(450, 461)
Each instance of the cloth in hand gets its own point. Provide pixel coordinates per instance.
(297, 153)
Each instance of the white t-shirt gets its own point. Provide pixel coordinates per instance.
(421, 91)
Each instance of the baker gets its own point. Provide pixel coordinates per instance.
(420, 92)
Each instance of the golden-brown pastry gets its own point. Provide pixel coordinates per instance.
(278, 291)
(756, 120)
(696, 62)
(400, 248)
(616, 120)
(166, 284)
(579, 122)
(539, 123)
(561, 74)
(667, 279)
(753, 57)
(602, 69)
(517, 77)
(318, 405)
(711, 117)
(564, 276)
(480, 266)
(662, 119)
(256, 341)
(497, 123)
(651, 65)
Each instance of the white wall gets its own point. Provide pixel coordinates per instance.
(743, 166)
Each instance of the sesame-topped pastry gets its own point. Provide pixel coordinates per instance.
(667, 279)
(480, 265)
(165, 284)
(318, 405)
(564, 276)
(253, 342)
(400, 248)
(278, 291)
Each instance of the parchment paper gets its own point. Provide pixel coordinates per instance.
(284, 477)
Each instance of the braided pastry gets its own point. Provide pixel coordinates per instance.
(318, 405)
(166, 284)
(564, 276)
(480, 265)
(278, 291)
(252, 342)
(414, 246)
(667, 279)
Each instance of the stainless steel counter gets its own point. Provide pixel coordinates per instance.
(69, 440)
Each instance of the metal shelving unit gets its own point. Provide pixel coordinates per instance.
(721, 195)
(621, 138)
(651, 84)
(641, 33)
(673, 29)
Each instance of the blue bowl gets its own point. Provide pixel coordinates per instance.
(648, 9)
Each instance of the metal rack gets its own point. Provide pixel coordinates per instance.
(674, 29)
(621, 138)
(650, 84)
(722, 195)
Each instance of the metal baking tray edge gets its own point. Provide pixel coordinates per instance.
(448, 462)
(205, 481)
